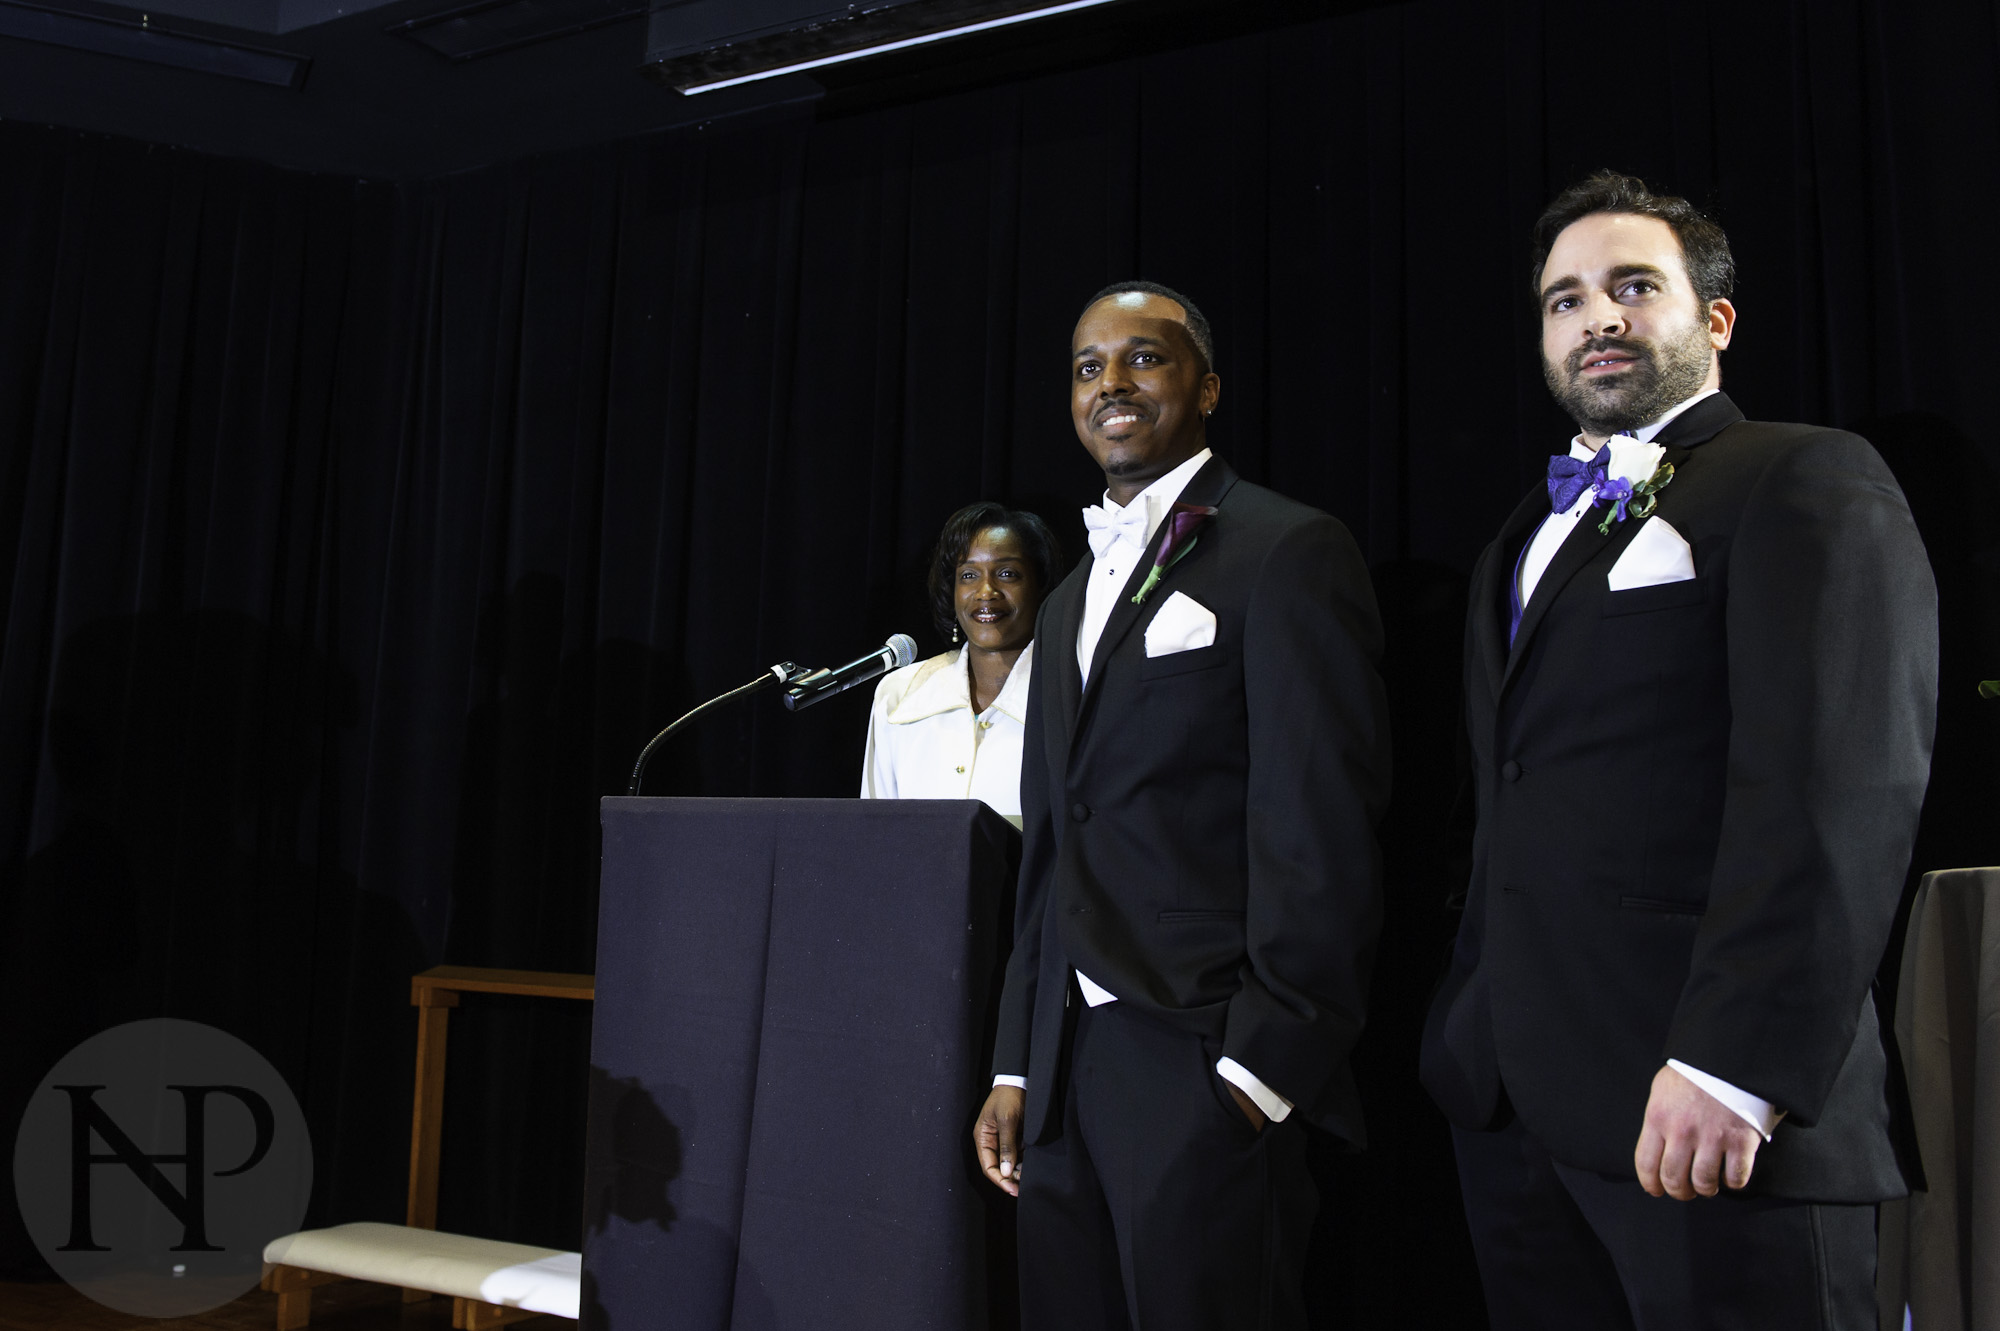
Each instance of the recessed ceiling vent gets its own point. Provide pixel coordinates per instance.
(147, 41)
(492, 26)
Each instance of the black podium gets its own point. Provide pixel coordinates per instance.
(789, 1046)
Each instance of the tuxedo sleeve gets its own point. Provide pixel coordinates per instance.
(1832, 652)
(1318, 781)
(1038, 857)
(1456, 1062)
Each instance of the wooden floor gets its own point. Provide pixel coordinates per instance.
(347, 1306)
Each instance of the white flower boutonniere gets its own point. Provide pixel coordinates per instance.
(1633, 462)
(1625, 474)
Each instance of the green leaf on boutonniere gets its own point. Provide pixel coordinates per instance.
(1637, 502)
(1184, 524)
(1158, 571)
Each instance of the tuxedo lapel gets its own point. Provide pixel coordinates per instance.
(1207, 487)
(1693, 427)
(1124, 614)
(1065, 680)
(1494, 596)
(1584, 544)
(1699, 424)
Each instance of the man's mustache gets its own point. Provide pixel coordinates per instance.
(1637, 348)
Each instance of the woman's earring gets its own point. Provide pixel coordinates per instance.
(954, 635)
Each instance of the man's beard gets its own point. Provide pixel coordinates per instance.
(1662, 376)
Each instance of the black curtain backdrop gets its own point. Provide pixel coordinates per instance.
(354, 536)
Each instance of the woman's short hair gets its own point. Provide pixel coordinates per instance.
(1038, 545)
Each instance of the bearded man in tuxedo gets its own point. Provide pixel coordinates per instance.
(1205, 760)
(1700, 680)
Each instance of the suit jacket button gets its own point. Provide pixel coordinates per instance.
(1511, 770)
(1080, 812)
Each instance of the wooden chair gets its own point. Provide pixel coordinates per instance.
(490, 1283)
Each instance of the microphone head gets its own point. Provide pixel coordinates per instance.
(905, 648)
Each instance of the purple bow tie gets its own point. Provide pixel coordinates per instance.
(1569, 478)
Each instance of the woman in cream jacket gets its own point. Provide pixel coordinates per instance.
(950, 727)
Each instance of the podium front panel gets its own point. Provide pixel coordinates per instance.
(790, 1042)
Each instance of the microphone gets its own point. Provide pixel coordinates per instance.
(900, 650)
(803, 689)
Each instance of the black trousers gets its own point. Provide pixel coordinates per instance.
(1565, 1249)
(1160, 1208)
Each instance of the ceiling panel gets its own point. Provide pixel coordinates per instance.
(415, 88)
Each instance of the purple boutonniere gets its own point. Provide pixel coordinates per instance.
(1184, 524)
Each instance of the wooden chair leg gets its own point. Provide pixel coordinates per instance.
(427, 1112)
(294, 1286)
(294, 1309)
(481, 1316)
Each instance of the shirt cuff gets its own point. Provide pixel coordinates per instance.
(1018, 1083)
(1759, 1114)
(1275, 1106)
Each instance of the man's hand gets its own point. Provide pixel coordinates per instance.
(1246, 1104)
(1690, 1141)
(997, 1137)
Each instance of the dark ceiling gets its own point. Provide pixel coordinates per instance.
(372, 101)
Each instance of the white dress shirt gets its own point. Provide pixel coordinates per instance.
(1109, 573)
(1759, 1113)
(924, 743)
(1109, 570)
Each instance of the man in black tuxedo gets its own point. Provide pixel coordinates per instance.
(1205, 761)
(1700, 683)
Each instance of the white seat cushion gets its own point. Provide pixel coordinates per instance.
(515, 1275)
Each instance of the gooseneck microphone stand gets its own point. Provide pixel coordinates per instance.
(785, 672)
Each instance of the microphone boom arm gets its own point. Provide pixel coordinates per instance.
(783, 673)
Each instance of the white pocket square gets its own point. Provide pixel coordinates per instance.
(1181, 625)
(1658, 554)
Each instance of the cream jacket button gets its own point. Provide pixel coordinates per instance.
(959, 770)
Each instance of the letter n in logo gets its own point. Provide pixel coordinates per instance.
(187, 1204)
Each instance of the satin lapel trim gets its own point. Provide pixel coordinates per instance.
(1582, 546)
(1208, 486)
(1066, 675)
(1698, 424)
(1495, 598)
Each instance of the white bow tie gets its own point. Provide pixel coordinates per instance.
(1107, 528)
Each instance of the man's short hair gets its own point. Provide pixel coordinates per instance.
(1704, 248)
(1197, 323)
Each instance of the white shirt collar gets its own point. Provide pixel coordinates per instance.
(1645, 434)
(1159, 497)
(944, 684)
